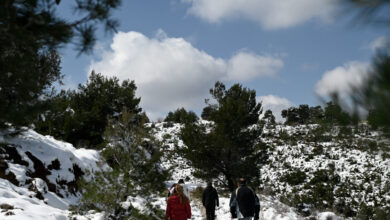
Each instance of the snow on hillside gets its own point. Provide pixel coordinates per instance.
(38, 175)
(346, 167)
(271, 208)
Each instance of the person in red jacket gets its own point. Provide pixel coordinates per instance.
(178, 205)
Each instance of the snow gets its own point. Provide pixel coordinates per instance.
(349, 162)
(26, 208)
(46, 149)
(271, 208)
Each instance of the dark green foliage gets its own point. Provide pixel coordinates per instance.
(181, 116)
(269, 117)
(375, 93)
(36, 24)
(30, 33)
(134, 157)
(230, 146)
(321, 188)
(316, 114)
(382, 214)
(374, 119)
(303, 115)
(294, 178)
(365, 212)
(207, 111)
(335, 115)
(24, 81)
(80, 117)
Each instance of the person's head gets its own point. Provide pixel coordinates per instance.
(241, 181)
(209, 183)
(181, 181)
(173, 185)
(180, 192)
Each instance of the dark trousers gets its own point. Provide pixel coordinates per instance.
(210, 213)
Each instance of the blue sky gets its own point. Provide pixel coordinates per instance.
(175, 50)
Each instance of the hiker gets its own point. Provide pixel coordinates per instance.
(210, 200)
(185, 188)
(257, 207)
(242, 202)
(178, 205)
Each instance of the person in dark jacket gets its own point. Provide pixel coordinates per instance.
(257, 207)
(243, 199)
(210, 200)
(233, 205)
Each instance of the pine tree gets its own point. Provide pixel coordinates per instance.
(181, 116)
(374, 94)
(230, 147)
(269, 117)
(80, 117)
(334, 114)
(25, 82)
(133, 157)
(30, 33)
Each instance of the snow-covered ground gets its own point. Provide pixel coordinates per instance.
(271, 207)
(38, 173)
(39, 192)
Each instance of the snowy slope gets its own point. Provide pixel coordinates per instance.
(38, 175)
(271, 208)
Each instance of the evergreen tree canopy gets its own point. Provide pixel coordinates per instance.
(24, 84)
(182, 116)
(374, 95)
(134, 159)
(300, 115)
(269, 117)
(30, 33)
(80, 117)
(334, 114)
(229, 147)
(303, 115)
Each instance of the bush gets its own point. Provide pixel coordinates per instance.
(133, 157)
(181, 116)
(294, 178)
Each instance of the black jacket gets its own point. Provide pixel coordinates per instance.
(257, 208)
(233, 204)
(210, 197)
(246, 201)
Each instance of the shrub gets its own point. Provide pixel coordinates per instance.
(181, 116)
(294, 178)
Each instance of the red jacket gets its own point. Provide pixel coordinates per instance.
(177, 210)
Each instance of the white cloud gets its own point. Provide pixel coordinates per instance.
(276, 104)
(379, 43)
(246, 66)
(270, 14)
(171, 73)
(341, 79)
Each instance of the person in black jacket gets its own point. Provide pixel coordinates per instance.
(245, 200)
(257, 207)
(210, 200)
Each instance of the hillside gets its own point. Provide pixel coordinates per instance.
(39, 175)
(312, 173)
(316, 168)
